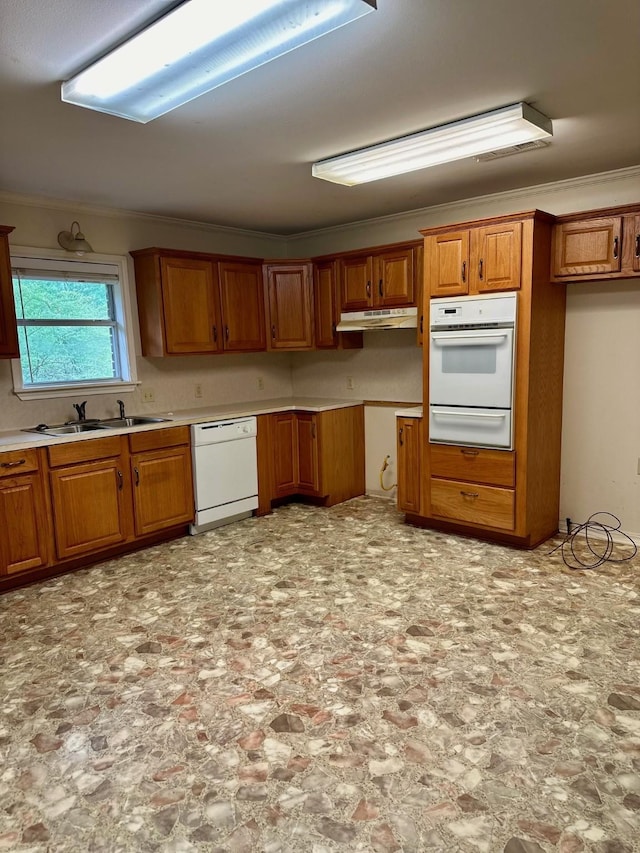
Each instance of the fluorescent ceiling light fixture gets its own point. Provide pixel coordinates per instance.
(197, 47)
(490, 131)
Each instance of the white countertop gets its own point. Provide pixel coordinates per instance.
(413, 412)
(16, 439)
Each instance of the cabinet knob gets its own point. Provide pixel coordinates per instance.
(637, 245)
(215, 334)
(334, 329)
(615, 247)
(480, 269)
(380, 287)
(120, 480)
(12, 464)
(472, 495)
(226, 332)
(400, 436)
(464, 271)
(368, 288)
(273, 333)
(468, 452)
(137, 473)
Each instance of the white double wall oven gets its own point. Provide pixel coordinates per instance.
(472, 369)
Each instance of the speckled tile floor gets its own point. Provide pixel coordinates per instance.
(319, 680)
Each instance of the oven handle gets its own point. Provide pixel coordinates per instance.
(468, 414)
(468, 339)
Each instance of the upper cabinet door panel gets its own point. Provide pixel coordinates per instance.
(496, 251)
(587, 247)
(635, 236)
(189, 294)
(325, 304)
(357, 275)
(242, 301)
(447, 263)
(8, 330)
(290, 306)
(394, 278)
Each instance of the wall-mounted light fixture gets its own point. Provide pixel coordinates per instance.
(74, 241)
(197, 47)
(468, 137)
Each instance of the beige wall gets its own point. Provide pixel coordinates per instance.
(601, 443)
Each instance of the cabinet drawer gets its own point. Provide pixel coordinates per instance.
(84, 451)
(474, 504)
(154, 439)
(15, 462)
(476, 465)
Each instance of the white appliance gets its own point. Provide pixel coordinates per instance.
(225, 471)
(378, 318)
(471, 370)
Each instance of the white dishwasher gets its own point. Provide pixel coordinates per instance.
(225, 471)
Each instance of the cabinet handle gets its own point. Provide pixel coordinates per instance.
(380, 287)
(12, 464)
(120, 480)
(480, 270)
(368, 288)
(637, 245)
(615, 247)
(421, 323)
(215, 334)
(137, 473)
(400, 438)
(313, 430)
(473, 495)
(464, 271)
(273, 333)
(467, 452)
(226, 332)
(334, 329)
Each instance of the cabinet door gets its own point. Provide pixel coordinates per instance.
(162, 489)
(356, 275)
(242, 306)
(587, 247)
(327, 311)
(409, 463)
(308, 457)
(190, 302)
(446, 258)
(290, 303)
(634, 235)
(394, 278)
(496, 257)
(8, 330)
(89, 507)
(23, 517)
(285, 454)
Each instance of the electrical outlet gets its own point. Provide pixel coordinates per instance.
(148, 396)
(260, 383)
(197, 390)
(349, 383)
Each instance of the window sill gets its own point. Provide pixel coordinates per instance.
(45, 392)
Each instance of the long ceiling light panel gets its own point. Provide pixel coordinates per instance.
(197, 47)
(468, 137)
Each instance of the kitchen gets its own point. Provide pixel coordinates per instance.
(601, 411)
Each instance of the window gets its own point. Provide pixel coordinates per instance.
(72, 325)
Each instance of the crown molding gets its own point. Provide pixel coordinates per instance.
(566, 185)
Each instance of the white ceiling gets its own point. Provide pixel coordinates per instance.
(241, 155)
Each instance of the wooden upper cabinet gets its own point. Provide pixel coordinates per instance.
(190, 303)
(474, 260)
(289, 299)
(242, 306)
(8, 329)
(380, 278)
(597, 244)
(326, 308)
(496, 257)
(447, 263)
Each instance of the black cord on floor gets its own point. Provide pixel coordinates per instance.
(598, 538)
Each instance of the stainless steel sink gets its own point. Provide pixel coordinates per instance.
(66, 429)
(134, 420)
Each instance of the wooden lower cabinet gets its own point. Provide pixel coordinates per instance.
(409, 452)
(162, 480)
(315, 454)
(90, 507)
(23, 518)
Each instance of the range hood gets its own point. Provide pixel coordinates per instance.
(378, 318)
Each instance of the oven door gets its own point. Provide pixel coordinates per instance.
(481, 427)
(471, 367)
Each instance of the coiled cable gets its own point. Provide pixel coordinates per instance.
(598, 539)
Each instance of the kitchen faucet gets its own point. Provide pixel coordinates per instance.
(80, 409)
(121, 406)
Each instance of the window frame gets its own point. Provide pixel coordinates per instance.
(124, 329)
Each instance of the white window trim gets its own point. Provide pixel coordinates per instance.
(125, 322)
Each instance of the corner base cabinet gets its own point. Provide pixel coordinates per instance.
(319, 455)
(512, 495)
